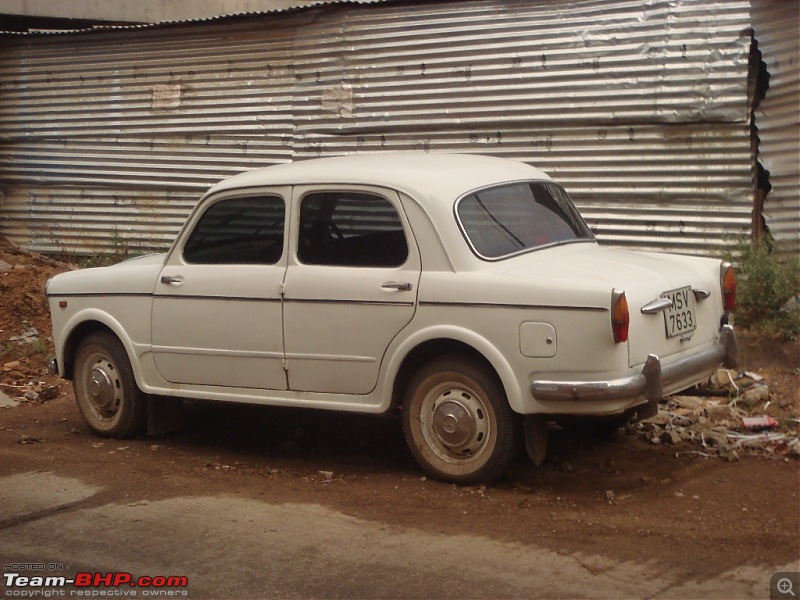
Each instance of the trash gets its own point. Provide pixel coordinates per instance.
(29, 439)
(759, 423)
(326, 474)
(723, 424)
(754, 395)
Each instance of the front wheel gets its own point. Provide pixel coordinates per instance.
(457, 421)
(106, 392)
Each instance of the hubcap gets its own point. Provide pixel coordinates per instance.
(458, 427)
(453, 423)
(102, 388)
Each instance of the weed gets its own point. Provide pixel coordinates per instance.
(120, 250)
(768, 282)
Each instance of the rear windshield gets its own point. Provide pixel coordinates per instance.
(518, 217)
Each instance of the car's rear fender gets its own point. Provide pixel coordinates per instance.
(447, 339)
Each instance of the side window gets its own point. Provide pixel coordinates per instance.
(239, 231)
(350, 229)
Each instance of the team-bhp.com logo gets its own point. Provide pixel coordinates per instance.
(116, 584)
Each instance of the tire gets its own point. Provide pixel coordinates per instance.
(457, 421)
(106, 392)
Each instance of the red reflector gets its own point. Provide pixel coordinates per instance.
(62, 304)
(729, 289)
(620, 318)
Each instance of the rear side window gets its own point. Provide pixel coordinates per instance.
(239, 231)
(350, 229)
(514, 218)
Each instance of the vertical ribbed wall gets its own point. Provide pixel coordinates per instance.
(776, 25)
(639, 109)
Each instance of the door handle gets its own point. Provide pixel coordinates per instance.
(171, 279)
(396, 285)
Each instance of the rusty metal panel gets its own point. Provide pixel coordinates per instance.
(639, 109)
(776, 25)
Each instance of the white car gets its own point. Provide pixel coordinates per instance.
(466, 290)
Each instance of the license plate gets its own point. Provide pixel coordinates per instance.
(681, 318)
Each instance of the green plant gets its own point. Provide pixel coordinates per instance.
(768, 282)
(120, 250)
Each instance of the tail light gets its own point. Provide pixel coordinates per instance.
(620, 317)
(728, 283)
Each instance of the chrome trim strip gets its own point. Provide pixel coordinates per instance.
(520, 306)
(101, 295)
(649, 383)
(358, 302)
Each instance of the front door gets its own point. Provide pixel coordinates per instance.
(217, 316)
(351, 286)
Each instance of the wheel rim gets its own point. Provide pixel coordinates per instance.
(455, 423)
(103, 387)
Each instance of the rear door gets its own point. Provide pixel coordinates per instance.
(351, 287)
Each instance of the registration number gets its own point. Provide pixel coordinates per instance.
(681, 318)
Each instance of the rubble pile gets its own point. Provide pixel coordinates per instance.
(728, 417)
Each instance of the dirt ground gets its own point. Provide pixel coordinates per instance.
(625, 498)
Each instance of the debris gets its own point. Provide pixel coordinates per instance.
(759, 423)
(29, 439)
(754, 395)
(610, 496)
(521, 486)
(718, 413)
(720, 427)
(28, 336)
(328, 475)
(12, 366)
(7, 401)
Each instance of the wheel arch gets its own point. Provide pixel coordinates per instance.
(84, 325)
(418, 352)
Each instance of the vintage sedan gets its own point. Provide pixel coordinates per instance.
(465, 291)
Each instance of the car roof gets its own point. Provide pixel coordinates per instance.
(419, 174)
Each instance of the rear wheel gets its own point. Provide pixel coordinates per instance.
(457, 421)
(105, 389)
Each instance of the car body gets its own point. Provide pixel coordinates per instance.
(465, 289)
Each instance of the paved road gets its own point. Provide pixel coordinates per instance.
(230, 547)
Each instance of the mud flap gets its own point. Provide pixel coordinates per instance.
(646, 411)
(164, 415)
(536, 437)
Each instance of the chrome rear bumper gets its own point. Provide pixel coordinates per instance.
(652, 379)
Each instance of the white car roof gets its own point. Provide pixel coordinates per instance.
(419, 174)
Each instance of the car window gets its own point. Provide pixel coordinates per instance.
(245, 230)
(513, 218)
(350, 229)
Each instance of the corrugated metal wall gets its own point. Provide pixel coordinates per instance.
(639, 109)
(776, 25)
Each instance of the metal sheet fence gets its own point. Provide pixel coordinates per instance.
(778, 116)
(639, 109)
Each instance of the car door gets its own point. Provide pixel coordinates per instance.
(217, 305)
(351, 286)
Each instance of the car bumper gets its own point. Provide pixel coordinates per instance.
(650, 382)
